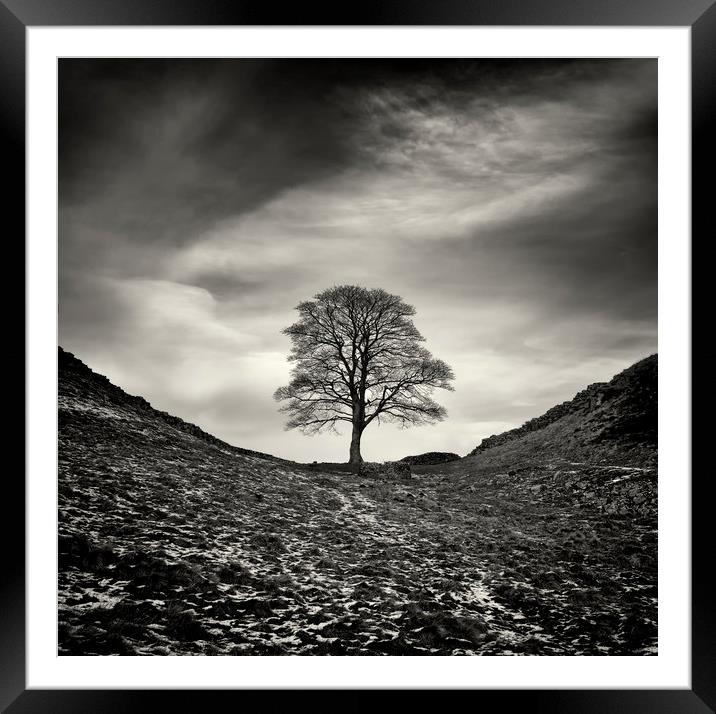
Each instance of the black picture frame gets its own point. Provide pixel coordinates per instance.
(699, 15)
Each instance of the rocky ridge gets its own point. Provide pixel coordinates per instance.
(614, 421)
(82, 389)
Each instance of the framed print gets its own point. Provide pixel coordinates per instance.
(360, 355)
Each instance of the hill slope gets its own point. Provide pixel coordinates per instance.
(83, 391)
(173, 542)
(611, 422)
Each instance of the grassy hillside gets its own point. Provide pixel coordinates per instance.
(173, 542)
(611, 423)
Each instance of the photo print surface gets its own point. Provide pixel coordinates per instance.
(357, 357)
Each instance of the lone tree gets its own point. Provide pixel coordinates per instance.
(359, 360)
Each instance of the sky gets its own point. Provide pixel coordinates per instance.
(513, 203)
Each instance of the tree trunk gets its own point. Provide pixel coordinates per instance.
(355, 457)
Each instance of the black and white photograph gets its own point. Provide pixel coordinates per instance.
(357, 357)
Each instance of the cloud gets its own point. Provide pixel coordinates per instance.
(155, 336)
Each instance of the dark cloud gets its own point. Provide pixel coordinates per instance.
(512, 201)
(163, 148)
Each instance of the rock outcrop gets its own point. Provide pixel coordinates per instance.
(431, 458)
